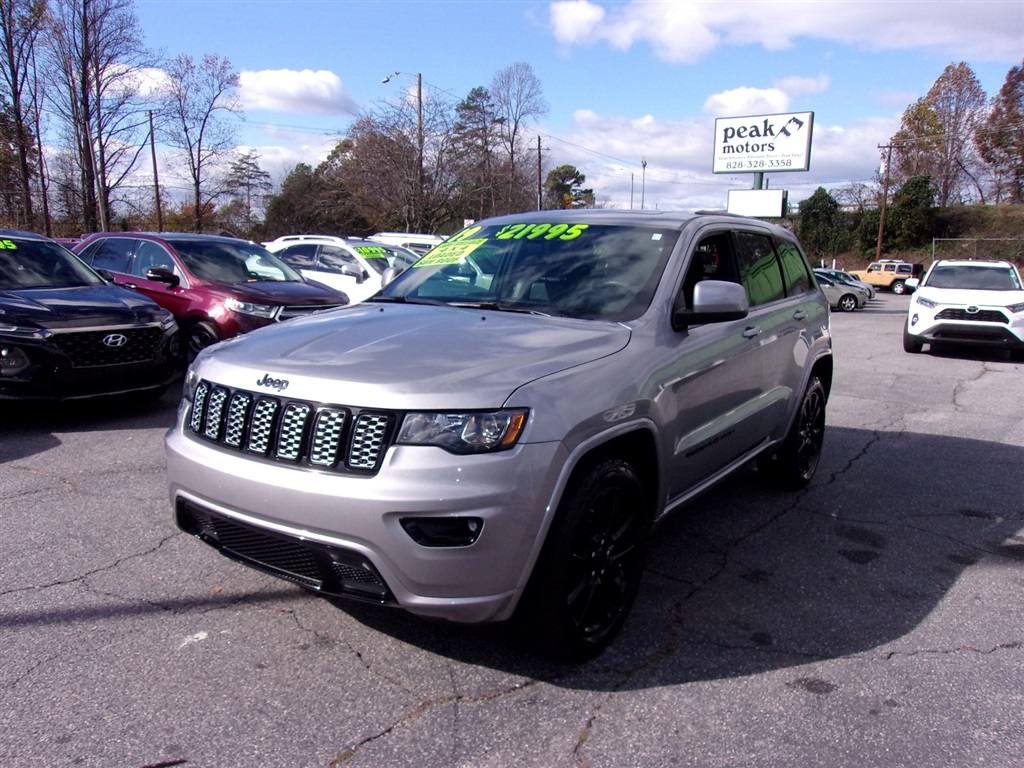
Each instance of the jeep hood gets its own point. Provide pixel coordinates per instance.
(408, 356)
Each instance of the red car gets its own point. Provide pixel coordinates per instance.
(216, 287)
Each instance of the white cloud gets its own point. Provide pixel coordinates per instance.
(679, 155)
(303, 92)
(747, 101)
(685, 32)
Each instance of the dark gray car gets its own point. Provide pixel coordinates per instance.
(499, 431)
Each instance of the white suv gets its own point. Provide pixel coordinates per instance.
(499, 430)
(351, 265)
(979, 303)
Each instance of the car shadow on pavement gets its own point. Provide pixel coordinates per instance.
(750, 579)
(38, 424)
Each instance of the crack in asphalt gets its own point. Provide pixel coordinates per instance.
(425, 706)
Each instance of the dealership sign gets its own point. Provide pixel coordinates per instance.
(763, 143)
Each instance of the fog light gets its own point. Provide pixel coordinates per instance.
(913, 320)
(12, 361)
(443, 531)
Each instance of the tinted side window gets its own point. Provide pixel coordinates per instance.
(759, 269)
(333, 258)
(151, 256)
(301, 256)
(112, 253)
(794, 268)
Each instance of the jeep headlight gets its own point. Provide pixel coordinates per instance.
(249, 308)
(464, 433)
(926, 302)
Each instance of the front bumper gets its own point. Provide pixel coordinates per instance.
(314, 527)
(58, 369)
(986, 328)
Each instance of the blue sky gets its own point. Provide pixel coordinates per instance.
(625, 81)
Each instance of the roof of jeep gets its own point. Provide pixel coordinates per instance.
(667, 219)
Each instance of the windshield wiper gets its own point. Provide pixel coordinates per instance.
(498, 306)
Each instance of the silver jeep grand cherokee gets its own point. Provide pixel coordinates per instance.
(499, 429)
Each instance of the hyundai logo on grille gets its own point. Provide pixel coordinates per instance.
(115, 340)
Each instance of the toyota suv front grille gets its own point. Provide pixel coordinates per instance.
(323, 436)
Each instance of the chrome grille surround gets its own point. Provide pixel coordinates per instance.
(329, 437)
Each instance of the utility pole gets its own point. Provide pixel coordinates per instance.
(156, 179)
(540, 184)
(643, 181)
(885, 199)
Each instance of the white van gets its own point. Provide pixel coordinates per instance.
(411, 240)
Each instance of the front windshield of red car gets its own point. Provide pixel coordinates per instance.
(571, 270)
(28, 264)
(224, 261)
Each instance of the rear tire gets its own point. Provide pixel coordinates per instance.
(899, 288)
(795, 460)
(589, 571)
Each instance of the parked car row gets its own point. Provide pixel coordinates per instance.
(843, 292)
(133, 308)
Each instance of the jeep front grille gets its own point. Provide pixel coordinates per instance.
(265, 426)
(981, 316)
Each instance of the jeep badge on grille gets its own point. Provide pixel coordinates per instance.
(270, 383)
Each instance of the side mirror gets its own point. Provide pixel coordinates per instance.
(161, 275)
(912, 282)
(351, 270)
(389, 274)
(714, 301)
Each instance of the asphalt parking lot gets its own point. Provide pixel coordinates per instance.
(874, 619)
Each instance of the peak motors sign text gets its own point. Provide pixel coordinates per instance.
(763, 143)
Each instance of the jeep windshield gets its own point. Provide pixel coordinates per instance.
(569, 270)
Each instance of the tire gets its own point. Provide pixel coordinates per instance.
(847, 302)
(794, 462)
(910, 344)
(200, 336)
(899, 288)
(589, 571)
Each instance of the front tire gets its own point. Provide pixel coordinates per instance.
(847, 302)
(200, 336)
(794, 462)
(910, 344)
(589, 572)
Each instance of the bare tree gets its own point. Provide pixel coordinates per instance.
(97, 55)
(21, 23)
(936, 136)
(517, 97)
(199, 99)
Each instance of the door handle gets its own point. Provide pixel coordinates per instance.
(751, 331)
(133, 286)
(800, 315)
